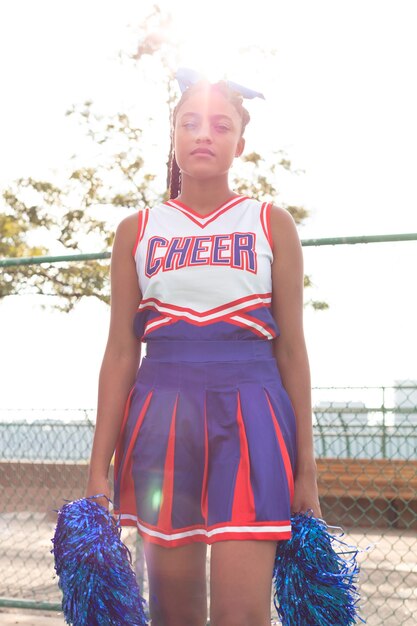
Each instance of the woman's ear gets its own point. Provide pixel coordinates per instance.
(240, 147)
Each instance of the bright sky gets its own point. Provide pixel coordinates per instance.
(340, 99)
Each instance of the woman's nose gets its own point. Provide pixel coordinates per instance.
(203, 134)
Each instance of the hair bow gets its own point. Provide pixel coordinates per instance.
(187, 77)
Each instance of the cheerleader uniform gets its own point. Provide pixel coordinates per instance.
(207, 446)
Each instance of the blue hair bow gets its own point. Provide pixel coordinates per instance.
(187, 77)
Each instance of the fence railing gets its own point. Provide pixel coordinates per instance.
(321, 241)
(367, 466)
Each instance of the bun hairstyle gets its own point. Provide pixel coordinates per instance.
(174, 181)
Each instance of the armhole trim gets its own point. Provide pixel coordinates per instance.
(143, 216)
(266, 222)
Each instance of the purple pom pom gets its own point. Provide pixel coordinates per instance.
(315, 585)
(94, 568)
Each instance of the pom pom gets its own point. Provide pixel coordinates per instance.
(94, 568)
(315, 585)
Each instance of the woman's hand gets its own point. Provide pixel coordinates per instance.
(306, 495)
(98, 485)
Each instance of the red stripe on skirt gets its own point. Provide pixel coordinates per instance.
(165, 512)
(117, 459)
(243, 509)
(204, 490)
(127, 486)
(284, 451)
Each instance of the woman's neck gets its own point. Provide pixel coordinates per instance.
(203, 196)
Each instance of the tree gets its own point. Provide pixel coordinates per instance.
(69, 215)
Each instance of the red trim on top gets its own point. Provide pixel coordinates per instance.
(243, 509)
(177, 315)
(156, 323)
(204, 220)
(143, 216)
(232, 319)
(253, 320)
(232, 201)
(228, 305)
(145, 221)
(284, 451)
(139, 228)
(165, 512)
(266, 222)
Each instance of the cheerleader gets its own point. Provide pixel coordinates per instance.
(213, 431)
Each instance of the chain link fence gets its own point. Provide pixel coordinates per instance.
(366, 445)
(367, 460)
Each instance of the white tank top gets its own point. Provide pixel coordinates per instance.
(205, 277)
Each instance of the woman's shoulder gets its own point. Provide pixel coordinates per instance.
(129, 224)
(128, 229)
(278, 221)
(281, 218)
(278, 214)
(283, 226)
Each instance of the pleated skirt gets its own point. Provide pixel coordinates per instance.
(207, 445)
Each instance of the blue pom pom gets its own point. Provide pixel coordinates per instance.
(314, 583)
(94, 568)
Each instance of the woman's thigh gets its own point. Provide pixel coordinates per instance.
(177, 584)
(240, 583)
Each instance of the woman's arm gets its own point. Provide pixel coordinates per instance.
(121, 357)
(291, 352)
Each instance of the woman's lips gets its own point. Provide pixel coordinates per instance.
(206, 151)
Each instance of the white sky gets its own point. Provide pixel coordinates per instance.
(341, 100)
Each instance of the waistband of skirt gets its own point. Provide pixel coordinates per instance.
(203, 351)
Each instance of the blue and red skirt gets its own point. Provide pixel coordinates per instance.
(207, 445)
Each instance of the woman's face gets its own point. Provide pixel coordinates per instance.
(207, 134)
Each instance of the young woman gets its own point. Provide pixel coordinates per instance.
(213, 433)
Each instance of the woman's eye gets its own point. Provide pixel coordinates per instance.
(222, 128)
(189, 125)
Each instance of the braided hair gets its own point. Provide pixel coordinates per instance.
(174, 173)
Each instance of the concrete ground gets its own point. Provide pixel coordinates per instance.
(11, 617)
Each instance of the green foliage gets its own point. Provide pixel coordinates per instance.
(14, 227)
(258, 178)
(73, 281)
(68, 216)
(317, 305)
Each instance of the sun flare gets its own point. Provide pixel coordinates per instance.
(212, 45)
